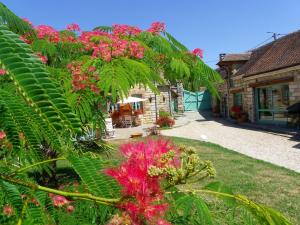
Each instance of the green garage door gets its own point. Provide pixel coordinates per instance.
(197, 101)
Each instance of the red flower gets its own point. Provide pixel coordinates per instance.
(2, 135)
(34, 201)
(27, 21)
(165, 121)
(70, 208)
(47, 32)
(157, 27)
(43, 58)
(2, 72)
(8, 210)
(198, 52)
(59, 200)
(236, 109)
(73, 27)
(132, 175)
(124, 30)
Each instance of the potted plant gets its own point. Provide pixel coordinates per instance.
(235, 111)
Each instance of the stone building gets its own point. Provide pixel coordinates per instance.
(262, 82)
(169, 99)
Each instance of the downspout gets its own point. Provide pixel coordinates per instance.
(227, 98)
(156, 116)
(170, 101)
(227, 89)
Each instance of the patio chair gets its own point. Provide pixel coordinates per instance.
(128, 121)
(110, 131)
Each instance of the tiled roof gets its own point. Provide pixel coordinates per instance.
(235, 57)
(279, 54)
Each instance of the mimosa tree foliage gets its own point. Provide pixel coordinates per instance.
(51, 85)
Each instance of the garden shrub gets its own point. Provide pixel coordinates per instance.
(165, 121)
(164, 113)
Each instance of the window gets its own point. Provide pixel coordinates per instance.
(272, 102)
(137, 105)
(238, 99)
(231, 82)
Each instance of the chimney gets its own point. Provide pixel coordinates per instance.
(221, 56)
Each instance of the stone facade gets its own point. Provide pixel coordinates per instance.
(247, 85)
(149, 113)
(155, 103)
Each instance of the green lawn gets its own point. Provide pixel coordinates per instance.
(260, 181)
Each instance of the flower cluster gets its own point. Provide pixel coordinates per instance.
(4, 142)
(145, 196)
(125, 30)
(236, 109)
(83, 78)
(73, 27)
(165, 121)
(198, 52)
(100, 44)
(2, 135)
(8, 210)
(42, 57)
(106, 46)
(157, 27)
(47, 32)
(27, 21)
(2, 72)
(60, 201)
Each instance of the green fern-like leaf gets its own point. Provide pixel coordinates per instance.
(32, 80)
(194, 209)
(12, 195)
(180, 68)
(120, 75)
(13, 22)
(91, 172)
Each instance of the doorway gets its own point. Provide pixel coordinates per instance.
(271, 104)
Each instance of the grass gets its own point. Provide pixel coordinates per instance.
(262, 182)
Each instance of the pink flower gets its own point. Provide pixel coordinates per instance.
(157, 27)
(34, 201)
(24, 38)
(163, 222)
(43, 58)
(125, 30)
(59, 200)
(2, 72)
(92, 69)
(8, 210)
(2, 135)
(145, 196)
(70, 208)
(47, 32)
(27, 21)
(73, 27)
(198, 52)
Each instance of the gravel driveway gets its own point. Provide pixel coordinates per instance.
(279, 149)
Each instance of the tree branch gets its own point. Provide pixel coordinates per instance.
(82, 196)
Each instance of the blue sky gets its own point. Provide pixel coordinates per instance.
(216, 26)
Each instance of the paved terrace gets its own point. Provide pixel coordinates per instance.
(282, 149)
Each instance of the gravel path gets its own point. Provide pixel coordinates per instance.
(279, 149)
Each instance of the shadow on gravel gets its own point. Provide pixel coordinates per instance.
(289, 133)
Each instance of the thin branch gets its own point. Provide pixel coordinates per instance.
(37, 164)
(83, 196)
(202, 191)
(20, 220)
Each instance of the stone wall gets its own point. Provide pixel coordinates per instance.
(294, 89)
(243, 84)
(161, 102)
(149, 107)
